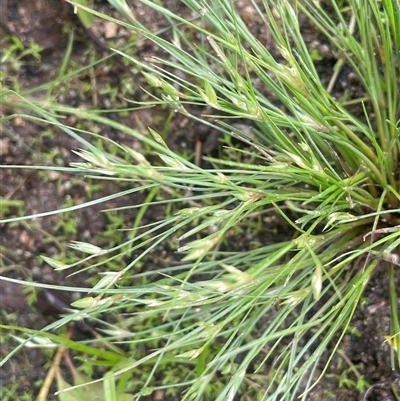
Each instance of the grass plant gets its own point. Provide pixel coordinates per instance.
(260, 320)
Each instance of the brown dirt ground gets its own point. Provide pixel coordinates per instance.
(24, 142)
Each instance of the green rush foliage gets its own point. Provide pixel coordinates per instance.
(259, 321)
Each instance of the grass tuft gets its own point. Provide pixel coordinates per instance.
(264, 318)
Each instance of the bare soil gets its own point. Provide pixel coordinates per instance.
(23, 143)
